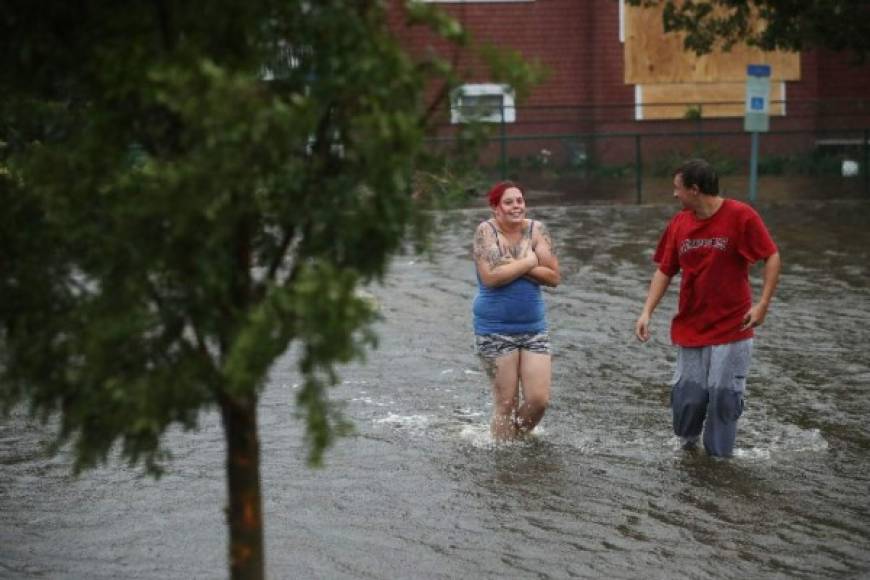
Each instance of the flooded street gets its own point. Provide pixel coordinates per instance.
(602, 490)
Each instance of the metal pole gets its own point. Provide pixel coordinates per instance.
(753, 168)
(503, 144)
(866, 167)
(638, 169)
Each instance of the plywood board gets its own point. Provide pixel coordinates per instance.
(675, 100)
(651, 56)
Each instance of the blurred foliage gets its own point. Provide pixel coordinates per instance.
(723, 163)
(814, 163)
(792, 25)
(693, 113)
(189, 188)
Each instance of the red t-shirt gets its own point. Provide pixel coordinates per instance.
(714, 255)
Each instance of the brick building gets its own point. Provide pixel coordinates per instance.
(603, 57)
(582, 43)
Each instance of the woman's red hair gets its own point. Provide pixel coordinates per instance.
(498, 190)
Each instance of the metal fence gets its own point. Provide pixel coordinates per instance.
(803, 156)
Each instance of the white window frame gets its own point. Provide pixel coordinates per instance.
(622, 21)
(484, 90)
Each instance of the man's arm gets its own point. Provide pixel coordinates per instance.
(770, 280)
(657, 287)
(494, 269)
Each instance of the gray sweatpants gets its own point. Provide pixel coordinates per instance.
(707, 394)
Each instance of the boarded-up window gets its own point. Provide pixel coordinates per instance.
(674, 83)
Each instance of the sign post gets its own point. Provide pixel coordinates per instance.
(757, 117)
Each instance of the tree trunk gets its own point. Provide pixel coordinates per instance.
(245, 512)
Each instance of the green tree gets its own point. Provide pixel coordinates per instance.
(794, 25)
(187, 189)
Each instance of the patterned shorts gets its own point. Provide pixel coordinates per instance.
(497, 345)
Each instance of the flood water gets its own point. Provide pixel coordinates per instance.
(602, 490)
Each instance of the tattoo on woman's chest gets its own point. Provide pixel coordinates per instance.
(498, 249)
(517, 250)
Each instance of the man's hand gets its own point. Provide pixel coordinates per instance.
(755, 317)
(657, 286)
(641, 327)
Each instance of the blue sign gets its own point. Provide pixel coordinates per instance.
(758, 70)
(757, 98)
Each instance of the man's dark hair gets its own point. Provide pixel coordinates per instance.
(699, 172)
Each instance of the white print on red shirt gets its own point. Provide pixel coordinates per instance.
(716, 243)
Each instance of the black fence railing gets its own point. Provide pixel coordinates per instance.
(819, 156)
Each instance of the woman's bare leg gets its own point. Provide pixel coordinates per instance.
(504, 373)
(535, 375)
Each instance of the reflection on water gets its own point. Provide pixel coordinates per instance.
(601, 490)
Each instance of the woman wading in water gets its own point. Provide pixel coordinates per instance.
(514, 257)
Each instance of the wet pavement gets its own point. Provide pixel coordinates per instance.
(602, 490)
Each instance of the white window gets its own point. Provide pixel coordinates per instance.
(285, 57)
(490, 103)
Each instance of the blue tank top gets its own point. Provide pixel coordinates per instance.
(515, 308)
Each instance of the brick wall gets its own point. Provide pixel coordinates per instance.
(840, 78)
(578, 40)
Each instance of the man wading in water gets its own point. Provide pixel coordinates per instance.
(713, 241)
(513, 256)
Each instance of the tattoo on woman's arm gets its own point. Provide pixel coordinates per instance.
(486, 248)
(545, 235)
(480, 244)
(495, 258)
